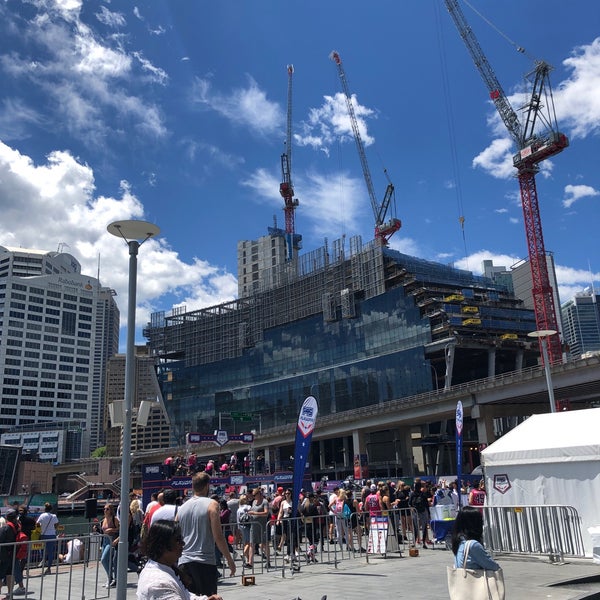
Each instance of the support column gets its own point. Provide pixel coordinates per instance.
(519, 360)
(267, 455)
(449, 357)
(484, 417)
(404, 451)
(348, 456)
(492, 362)
(321, 454)
(359, 448)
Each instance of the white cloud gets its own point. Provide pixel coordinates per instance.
(570, 281)
(328, 218)
(577, 99)
(577, 106)
(474, 262)
(246, 106)
(501, 211)
(109, 18)
(86, 79)
(496, 159)
(330, 122)
(576, 192)
(55, 202)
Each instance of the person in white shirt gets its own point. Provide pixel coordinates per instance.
(169, 509)
(159, 579)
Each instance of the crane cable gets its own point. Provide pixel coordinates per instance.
(451, 134)
(514, 44)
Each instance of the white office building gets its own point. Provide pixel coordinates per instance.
(58, 328)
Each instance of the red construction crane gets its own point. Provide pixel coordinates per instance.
(383, 230)
(537, 138)
(286, 189)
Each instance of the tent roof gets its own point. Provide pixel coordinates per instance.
(568, 436)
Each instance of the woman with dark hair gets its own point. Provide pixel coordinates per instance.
(159, 579)
(468, 527)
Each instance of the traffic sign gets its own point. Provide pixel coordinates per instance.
(241, 416)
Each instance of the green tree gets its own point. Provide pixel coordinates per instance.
(99, 452)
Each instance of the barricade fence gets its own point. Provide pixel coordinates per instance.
(62, 567)
(302, 541)
(553, 530)
(82, 565)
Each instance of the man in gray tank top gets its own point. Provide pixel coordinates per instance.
(201, 528)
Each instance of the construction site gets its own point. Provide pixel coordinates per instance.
(358, 324)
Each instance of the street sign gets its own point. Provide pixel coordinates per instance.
(241, 416)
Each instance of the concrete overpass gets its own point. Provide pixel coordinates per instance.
(512, 395)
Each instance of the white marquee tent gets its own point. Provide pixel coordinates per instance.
(551, 458)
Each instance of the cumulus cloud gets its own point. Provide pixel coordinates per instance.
(576, 192)
(577, 100)
(248, 106)
(330, 122)
(47, 204)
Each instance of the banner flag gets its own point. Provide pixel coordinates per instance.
(459, 439)
(306, 425)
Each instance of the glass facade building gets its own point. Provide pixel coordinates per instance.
(354, 331)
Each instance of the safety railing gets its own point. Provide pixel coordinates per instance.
(64, 567)
(292, 543)
(550, 529)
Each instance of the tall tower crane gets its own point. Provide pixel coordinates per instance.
(537, 138)
(286, 189)
(383, 230)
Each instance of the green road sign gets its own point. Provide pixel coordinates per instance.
(241, 416)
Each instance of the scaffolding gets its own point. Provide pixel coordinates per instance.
(321, 282)
(331, 282)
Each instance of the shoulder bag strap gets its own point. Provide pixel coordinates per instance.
(466, 555)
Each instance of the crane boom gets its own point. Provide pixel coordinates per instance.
(286, 189)
(383, 230)
(532, 148)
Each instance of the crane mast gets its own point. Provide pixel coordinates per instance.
(532, 148)
(286, 189)
(383, 230)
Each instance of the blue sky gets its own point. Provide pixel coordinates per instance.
(174, 112)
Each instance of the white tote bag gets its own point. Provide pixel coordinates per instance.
(474, 584)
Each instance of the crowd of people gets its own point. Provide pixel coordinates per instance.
(16, 528)
(186, 542)
(180, 466)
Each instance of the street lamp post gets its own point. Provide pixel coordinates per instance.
(135, 233)
(542, 335)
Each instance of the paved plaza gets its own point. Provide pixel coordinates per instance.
(392, 577)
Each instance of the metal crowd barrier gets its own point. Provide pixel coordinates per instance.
(553, 530)
(302, 542)
(79, 576)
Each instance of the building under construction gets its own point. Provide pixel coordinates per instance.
(352, 325)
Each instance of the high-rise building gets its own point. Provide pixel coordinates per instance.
(56, 325)
(581, 319)
(498, 274)
(156, 433)
(523, 285)
(353, 326)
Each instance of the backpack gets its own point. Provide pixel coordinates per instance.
(419, 502)
(346, 512)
